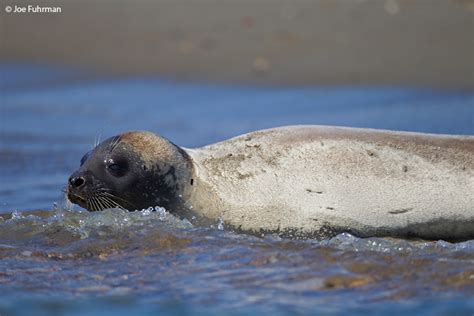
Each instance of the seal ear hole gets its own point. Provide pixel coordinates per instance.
(192, 181)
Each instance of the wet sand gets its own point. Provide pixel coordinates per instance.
(325, 42)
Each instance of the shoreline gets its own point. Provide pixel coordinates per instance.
(326, 42)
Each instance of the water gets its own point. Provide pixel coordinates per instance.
(54, 260)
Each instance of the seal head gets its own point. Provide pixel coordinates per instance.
(132, 171)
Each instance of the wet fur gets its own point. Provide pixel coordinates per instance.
(312, 181)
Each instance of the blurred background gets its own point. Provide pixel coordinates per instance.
(320, 42)
(202, 71)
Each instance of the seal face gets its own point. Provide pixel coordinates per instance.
(124, 172)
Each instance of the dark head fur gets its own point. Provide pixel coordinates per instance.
(133, 171)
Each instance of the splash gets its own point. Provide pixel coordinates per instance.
(83, 224)
(348, 242)
(220, 224)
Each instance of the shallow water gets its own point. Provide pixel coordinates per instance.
(152, 260)
(65, 261)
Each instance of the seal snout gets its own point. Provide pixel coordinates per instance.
(77, 189)
(77, 182)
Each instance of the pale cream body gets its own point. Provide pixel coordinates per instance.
(319, 180)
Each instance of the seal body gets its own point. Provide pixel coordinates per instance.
(317, 181)
(310, 180)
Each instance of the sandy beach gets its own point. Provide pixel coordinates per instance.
(332, 42)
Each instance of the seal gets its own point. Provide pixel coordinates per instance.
(295, 181)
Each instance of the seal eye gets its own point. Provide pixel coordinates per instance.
(117, 169)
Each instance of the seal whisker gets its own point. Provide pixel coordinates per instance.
(100, 206)
(113, 205)
(89, 205)
(111, 201)
(101, 203)
(113, 144)
(106, 201)
(96, 141)
(113, 197)
(96, 205)
(93, 206)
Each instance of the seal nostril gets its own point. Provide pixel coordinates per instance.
(77, 182)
